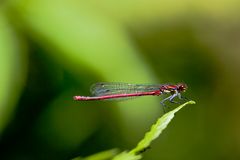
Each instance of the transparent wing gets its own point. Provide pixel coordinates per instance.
(106, 88)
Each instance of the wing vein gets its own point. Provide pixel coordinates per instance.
(105, 88)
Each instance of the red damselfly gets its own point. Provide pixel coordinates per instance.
(115, 90)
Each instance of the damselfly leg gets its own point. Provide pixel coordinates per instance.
(171, 99)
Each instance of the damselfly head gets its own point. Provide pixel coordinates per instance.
(181, 87)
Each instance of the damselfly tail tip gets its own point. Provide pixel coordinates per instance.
(77, 98)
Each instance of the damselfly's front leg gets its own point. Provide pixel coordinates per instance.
(182, 98)
(173, 96)
(164, 105)
(170, 99)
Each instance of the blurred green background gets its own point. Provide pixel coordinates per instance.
(52, 50)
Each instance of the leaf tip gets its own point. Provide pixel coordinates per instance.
(191, 102)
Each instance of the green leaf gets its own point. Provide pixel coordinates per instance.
(157, 129)
(127, 156)
(100, 156)
(154, 132)
(135, 154)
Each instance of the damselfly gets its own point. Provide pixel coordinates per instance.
(115, 90)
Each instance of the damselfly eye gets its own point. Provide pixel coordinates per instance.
(182, 87)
